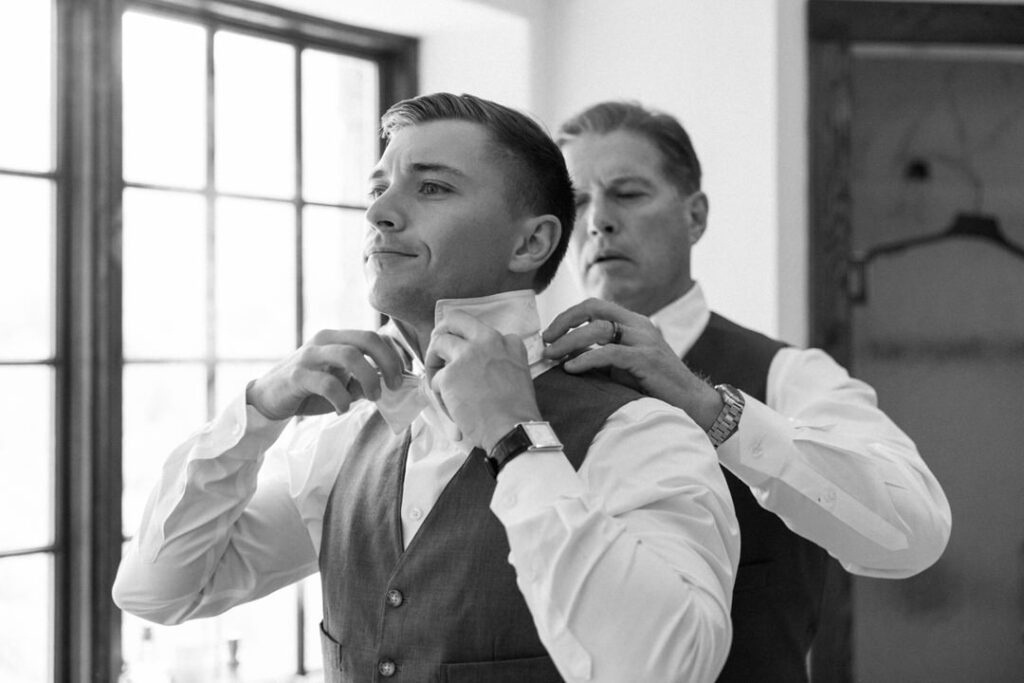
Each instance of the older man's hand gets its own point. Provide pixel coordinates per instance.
(582, 336)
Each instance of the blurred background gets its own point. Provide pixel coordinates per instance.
(182, 188)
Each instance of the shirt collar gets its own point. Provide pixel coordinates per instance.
(509, 313)
(683, 321)
(512, 312)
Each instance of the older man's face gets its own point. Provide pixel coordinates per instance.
(439, 225)
(631, 243)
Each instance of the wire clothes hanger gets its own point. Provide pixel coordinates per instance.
(966, 224)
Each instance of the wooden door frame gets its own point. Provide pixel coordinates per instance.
(834, 28)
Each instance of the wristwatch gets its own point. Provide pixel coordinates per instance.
(525, 436)
(728, 421)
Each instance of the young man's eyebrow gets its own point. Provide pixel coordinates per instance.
(429, 167)
(424, 167)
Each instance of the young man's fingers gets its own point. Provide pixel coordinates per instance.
(370, 344)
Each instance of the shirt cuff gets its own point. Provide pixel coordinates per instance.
(238, 420)
(757, 451)
(531, 483)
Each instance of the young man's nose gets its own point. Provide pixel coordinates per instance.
(383, 213)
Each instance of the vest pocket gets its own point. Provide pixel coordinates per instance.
(331, 650)
(534, 669)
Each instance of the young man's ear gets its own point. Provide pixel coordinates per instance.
(697, 212)
(537, 239)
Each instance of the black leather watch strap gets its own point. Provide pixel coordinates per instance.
(525, 436)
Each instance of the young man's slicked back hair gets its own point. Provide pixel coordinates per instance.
(681, 165)
(537, 181)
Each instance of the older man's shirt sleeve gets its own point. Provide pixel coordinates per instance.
(628, 565)
(235, 515)
(837, 470)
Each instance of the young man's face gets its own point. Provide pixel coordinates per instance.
(634, 228)
(439, 225)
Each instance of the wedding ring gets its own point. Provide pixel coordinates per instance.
(616, 333)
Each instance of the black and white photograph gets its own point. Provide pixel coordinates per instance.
(511, 341)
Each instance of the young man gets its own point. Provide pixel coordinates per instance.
(813, 465)
(578, 548)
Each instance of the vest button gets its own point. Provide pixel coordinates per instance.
(395, 597)
(386, 668)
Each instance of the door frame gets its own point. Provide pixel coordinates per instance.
(834, 28)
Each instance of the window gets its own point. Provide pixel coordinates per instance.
(181, 195)
(28, 361)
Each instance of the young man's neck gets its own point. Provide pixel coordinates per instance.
(418, 336)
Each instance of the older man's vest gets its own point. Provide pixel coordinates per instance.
(781, 577)
(446, 608)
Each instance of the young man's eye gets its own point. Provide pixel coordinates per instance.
(376, 191)
(433, 188)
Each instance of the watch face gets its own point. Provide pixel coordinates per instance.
(541, 435)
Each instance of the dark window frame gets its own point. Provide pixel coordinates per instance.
(88, 353)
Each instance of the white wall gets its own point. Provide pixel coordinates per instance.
(713, 65)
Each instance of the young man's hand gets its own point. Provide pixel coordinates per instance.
(641, 358)
(482, 376)
(326, 374)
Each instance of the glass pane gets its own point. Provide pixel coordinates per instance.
(340, 119)
(164, 275)
(314, 607)
(26, 268)
(26, 457)
(26, 603)
(164, 72)
(232, 379)
(255, 279)
(255, 102)
(335, 289)
(253, 643)
(163, 405)
(26, 79)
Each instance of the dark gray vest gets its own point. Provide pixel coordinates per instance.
(447, 608)
(781, 576)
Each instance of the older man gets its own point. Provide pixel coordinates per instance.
(813, 464)
(457, 450)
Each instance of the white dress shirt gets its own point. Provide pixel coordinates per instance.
(627, 565)
(826, 460)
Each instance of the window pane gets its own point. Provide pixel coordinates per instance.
(164, 72)
(335, 289)
(26, 603)
(263, 635)
(339, 126)
(164, 275)
(26, 457)
(314, 607)
(163, 405)
(26, 79)
(255, 279)
(255, 102)
(26, 268)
